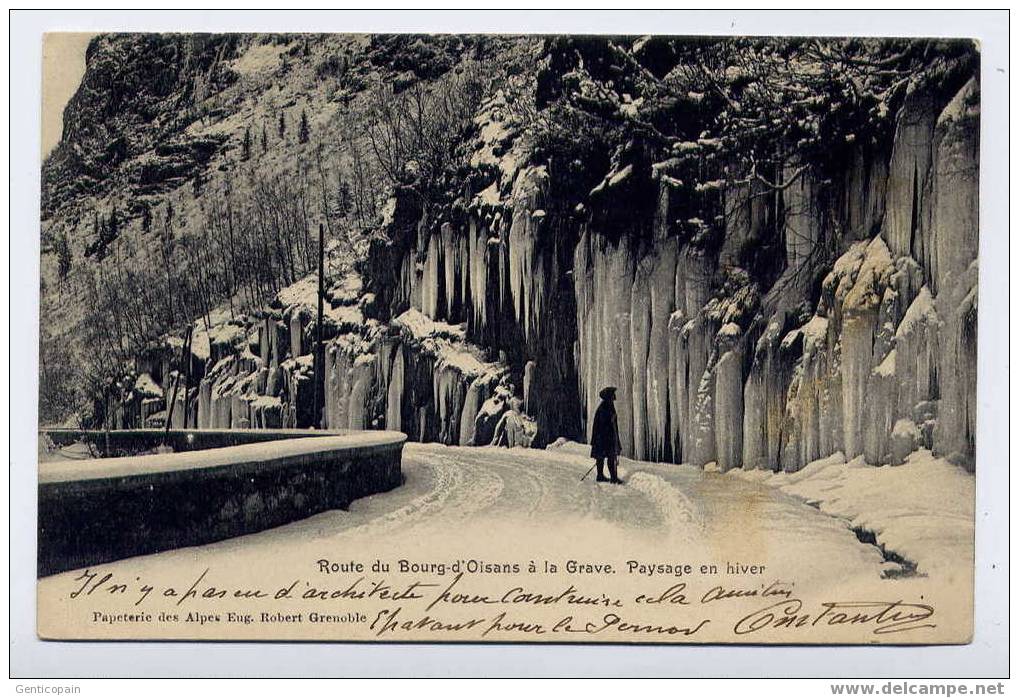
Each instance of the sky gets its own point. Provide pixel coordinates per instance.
(63, 65)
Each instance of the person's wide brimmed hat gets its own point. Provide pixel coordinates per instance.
(608, 393)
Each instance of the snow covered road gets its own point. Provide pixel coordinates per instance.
(464, 499)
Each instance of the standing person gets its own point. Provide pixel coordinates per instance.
(605, 437)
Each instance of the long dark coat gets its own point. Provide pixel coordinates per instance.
(605, 431)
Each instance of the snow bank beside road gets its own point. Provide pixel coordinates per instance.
(922, 510)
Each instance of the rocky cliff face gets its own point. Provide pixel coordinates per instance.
(139, 94)
(709, 365)
(832, 310)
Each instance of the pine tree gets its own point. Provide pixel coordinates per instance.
(302, 133)
(265, 141)
(63, 246)
(146, 219)
(246, 145)
(344, 198)
(283, 125)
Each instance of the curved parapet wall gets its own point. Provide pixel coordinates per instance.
(130, 442)
(95, 511)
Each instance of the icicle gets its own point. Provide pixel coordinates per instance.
(430, 277)
(677, 357)
(239, 415)
(394, 396)
(447, 397)
(659, 368)
(529, 369)
(205, 404)
(526, 272)
(296, 334)
(700, 394)
(477, 393)
(361, 381)
(907, 175)
(477, 248)
(754, 420)
(639, 344)
(449, 263)
(729, 409)
(813, 383)
(955, 189)
(329, 391)
(957, 305)
(583, 350)
(702, 440)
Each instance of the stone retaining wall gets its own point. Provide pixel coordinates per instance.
(96, 511)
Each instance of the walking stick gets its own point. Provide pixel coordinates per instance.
(587, 473)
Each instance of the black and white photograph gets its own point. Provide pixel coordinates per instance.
(542, 338)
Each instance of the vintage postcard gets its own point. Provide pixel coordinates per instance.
(508, 338)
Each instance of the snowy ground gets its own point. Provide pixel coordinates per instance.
(921, 510)
(467, 496)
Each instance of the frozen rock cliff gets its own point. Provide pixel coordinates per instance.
(759, 322)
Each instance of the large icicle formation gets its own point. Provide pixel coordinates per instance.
(879, 360)
(869, 351)
(415, 375)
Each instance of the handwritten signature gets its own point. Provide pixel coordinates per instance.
(886, 617)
